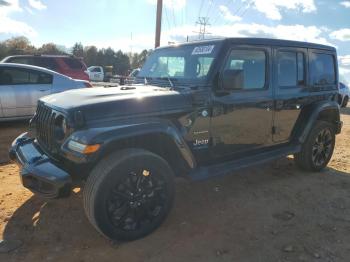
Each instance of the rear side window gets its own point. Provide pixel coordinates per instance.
(291, 70)
(18, 76)
(73, 63)
(20, 60)
(322, 69)
(251, 64)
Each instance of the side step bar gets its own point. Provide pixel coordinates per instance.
(206, 172)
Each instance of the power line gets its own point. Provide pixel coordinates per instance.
(246, 7)
(200, 9)
(174, 17)
(210, 7)
(203, 22)
(167, 18)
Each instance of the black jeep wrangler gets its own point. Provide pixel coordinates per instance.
(197, 110)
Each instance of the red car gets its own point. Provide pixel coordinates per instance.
(67, 65)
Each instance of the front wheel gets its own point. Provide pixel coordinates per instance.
(129, 194)
(318, 148)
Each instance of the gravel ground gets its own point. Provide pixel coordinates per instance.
(273, 212)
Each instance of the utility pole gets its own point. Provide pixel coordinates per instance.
(159, 22)
(203, 22)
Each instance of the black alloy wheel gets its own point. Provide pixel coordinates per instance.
(136, 200)
(322, 147)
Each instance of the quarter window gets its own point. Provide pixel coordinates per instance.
(322, 69)
(251, 65)
(291, 70)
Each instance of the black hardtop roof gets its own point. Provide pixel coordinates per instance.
(261, 41)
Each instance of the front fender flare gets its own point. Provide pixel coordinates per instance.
(112, 134)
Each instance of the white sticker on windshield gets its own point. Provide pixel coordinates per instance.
(203, 50)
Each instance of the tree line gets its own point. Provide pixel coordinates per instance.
(122, 62)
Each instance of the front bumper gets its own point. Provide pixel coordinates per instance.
(38, 172)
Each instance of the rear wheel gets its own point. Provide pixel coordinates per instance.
(318, 148)
(129, 194)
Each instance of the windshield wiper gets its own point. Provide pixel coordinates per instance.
(171, 83)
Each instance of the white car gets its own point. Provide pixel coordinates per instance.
(96, 73)
(21, 86)
(344, 95)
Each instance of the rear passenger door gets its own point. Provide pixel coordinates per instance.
(20, 90)
(291, 92)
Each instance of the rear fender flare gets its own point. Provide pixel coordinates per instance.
(312, 114)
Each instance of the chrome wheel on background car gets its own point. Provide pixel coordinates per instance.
(129, 194)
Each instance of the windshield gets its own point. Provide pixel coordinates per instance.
(191, 62)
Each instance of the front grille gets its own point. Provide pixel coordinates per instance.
(45, 126)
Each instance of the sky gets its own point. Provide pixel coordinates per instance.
(129, 25)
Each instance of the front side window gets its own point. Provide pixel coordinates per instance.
(96, 70)
(290, 68)
(250, 65)
(322, 69)
(17, 76)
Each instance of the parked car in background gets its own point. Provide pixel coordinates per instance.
(96, 73)
(125, 79)
(67, 65)
(344, 95)
(21, 86)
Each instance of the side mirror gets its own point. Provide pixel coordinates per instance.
(233, 79)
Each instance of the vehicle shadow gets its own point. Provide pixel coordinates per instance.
(231, 209)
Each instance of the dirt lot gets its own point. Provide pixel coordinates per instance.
(269, 213)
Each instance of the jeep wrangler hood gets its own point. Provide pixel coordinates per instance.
(97, 103)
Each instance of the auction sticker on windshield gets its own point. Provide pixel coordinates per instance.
(203, 50)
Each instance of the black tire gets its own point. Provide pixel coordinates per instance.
(318, 148)
(345, 102)
(129, 194)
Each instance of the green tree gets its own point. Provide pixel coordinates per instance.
(19, 45)
(137, 60)
(90, 55)
(78, 50)
(122, 64)
(50, 49)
